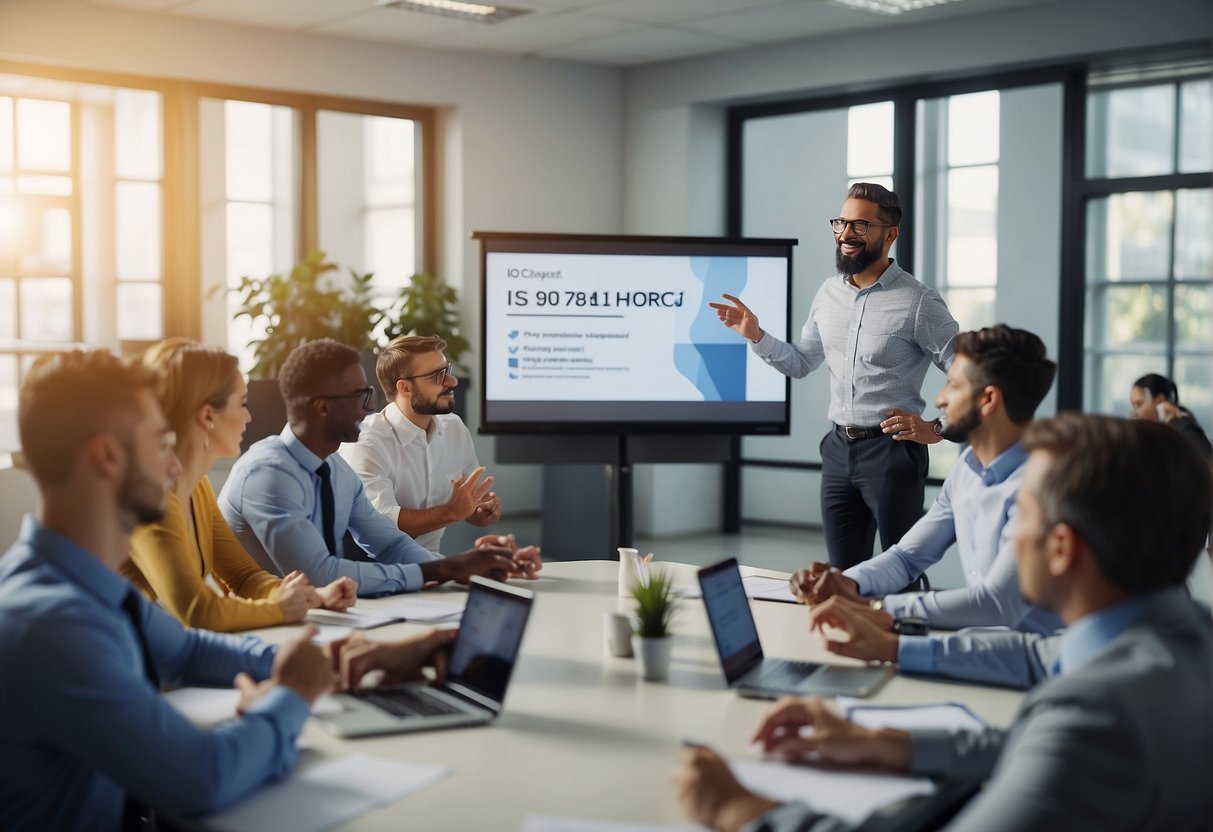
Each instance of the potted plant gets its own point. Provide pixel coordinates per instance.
(651, 639)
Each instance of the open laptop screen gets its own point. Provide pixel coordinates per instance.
(729, 614)
(489, 637)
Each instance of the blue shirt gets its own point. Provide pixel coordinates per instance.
(876, 342)
(81, 725)
(976, 510)
(272, 502)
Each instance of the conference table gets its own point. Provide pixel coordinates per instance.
(582, 735)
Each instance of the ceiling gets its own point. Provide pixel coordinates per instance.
(609, 32)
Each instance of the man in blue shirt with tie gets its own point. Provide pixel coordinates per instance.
(998, 378)
(1112, 516)
(291, 497)
(86, 741)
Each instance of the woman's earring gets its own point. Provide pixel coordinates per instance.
(206, 440)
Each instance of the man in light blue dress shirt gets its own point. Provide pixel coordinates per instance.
(997, 380)
(86, 741)
(876, 329)
(290, 498)
(1112, 516)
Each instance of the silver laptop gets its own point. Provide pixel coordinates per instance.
(478, 673)
(750, 673)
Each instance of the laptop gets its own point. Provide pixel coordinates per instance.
(478, 673)
(750, 673)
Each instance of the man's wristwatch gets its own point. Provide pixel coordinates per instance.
(911, 626)
(937, 425)
(876, 604)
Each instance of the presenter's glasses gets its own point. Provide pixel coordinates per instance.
(438, 376)
(367, 394)
(860, 227)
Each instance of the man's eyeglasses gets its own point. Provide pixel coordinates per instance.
(366, 393)
(860, 227)
(437, 376)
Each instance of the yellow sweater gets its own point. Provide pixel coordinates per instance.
(170, 567)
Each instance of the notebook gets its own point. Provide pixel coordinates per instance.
(478, 673)
(747, 670)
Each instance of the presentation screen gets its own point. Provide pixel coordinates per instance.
(598, 334)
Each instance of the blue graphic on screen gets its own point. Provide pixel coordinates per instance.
(713, 360)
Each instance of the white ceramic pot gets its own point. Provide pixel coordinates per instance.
(653, 656)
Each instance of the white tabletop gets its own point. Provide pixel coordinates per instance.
(582, 735)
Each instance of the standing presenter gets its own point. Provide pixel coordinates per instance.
(876, 328)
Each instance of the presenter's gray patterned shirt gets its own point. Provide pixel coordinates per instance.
(876, 342)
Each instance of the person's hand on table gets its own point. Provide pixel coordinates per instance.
(491, 561)
(820, 582)
(400, 661)
(299, 665)
(711, 795)
(870, 636)
(904, 426)
(340, 595)
(832, 738)
(295, 597)
(527, 562)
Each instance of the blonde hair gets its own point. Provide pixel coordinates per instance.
(189, 375)
(396, 360)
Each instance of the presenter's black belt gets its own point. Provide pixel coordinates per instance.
(854, 433)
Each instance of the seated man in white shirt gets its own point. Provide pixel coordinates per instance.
(415, 458)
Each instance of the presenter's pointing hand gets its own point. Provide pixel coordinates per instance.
(738, 317)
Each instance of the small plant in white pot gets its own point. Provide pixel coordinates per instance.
(651, 638)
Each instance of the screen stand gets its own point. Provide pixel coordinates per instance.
(620, 509)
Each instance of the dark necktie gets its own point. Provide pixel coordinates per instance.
(137, 815)
(326, 507)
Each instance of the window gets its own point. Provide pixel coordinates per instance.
(1148, 294)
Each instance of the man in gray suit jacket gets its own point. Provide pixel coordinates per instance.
(1112, 516)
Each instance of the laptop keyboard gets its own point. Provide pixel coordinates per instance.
(406, 702)
(787, 674)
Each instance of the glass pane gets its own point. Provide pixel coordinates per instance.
(6, 134)
(45, 185)
(972, 308)
(389, 161)
(1196, 126)
(44, 135)
(138, 230)
(1131, 132)
(870, 140)
(137, 125)
(973, 128)
(1124, 316)
(46, 309)
(1193, 219)
(250, 252)
(248, 128)
(1129, 236)
(972, 227)
(1194, 378)
(389, 246)
(140, 312)
(8, 309)
(1193, 317)
(54, 244)
(1109, 378)
(8, 403)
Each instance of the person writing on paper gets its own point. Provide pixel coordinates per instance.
(202, 394)
(1155, 398)
(291, 497)
(876, 329)
(997, 380)
(86, 741)
(1121, 736)
(416, 459)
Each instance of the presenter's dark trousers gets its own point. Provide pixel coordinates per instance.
(868, 485)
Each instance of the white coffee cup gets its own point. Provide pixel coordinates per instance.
(617, 631)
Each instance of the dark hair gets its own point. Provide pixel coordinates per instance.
(1013, 360)
(396, 360)
(886, 200)
(1132, 489)
(310, 369)
(67, 399)
(1157, 385)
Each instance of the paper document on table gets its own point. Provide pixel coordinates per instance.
(422, 610)
(204, 706)
(768, 589)
(326, 794)
(948, 716)
(545, 823)
(850, 795)
(356, 619)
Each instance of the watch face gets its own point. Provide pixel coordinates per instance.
(938, 427)
(911, 627)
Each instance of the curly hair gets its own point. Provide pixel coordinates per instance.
(310, 368)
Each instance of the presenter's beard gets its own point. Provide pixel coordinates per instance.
(959, 430)
(855, 264)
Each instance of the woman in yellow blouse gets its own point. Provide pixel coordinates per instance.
(203, 396)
